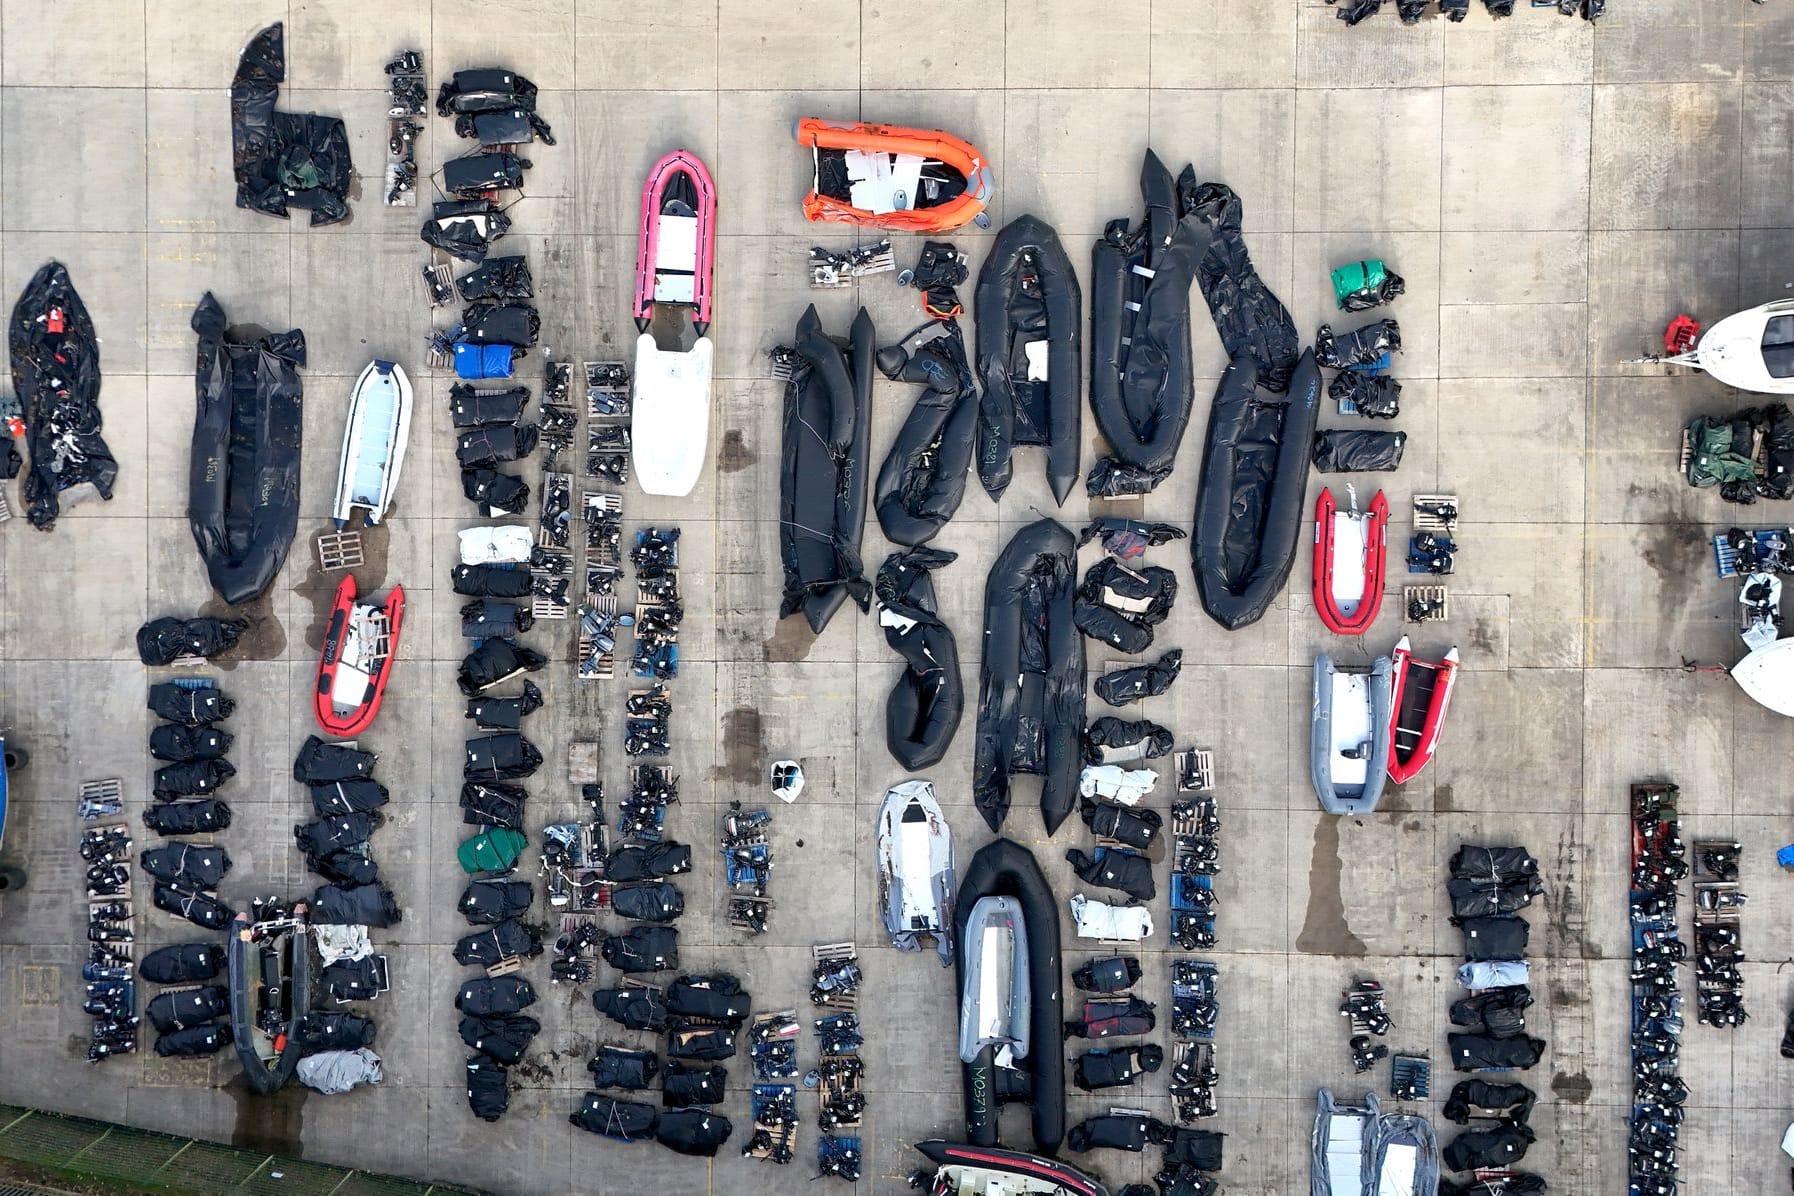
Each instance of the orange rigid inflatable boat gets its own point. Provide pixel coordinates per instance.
(906, 180)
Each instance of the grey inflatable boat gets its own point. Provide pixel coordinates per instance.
(1349, 746)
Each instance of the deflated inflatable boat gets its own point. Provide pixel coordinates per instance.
(923, 709)
(822, 484)
(1031, 684)
(906, 180)
(923, 477)
(243, 485)
(1254, 482)
(1349, 747)
(1029, 360)
(1358, 1150)
(1012, 1041)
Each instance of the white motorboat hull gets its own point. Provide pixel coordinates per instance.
(670, 431)
(373, 443)
(1732, 350)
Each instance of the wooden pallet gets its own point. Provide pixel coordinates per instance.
(1427, 594)
(1426, 521)
(507, 966)
(340, 550)
(837, 953)
(1197, 763)
(736, 920)
(105, 789)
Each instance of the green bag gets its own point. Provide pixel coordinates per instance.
(494, 849)
(1360, 286)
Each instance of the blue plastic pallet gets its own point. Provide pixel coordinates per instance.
(1725, 559)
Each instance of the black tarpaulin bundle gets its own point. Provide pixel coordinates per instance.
(484, 620)
(464, 228)
(1113, 1017)
(474, 174)
(182, 963)
(487, 996)
(1125, 686)
(495, 662)
(1110, 740)
(490, 580)
(492, 105)
(346, 797)
(657, 901)
(697, 1132)
(1497, 1146)
(1119, 606)
(1136, 828)
(505, 714)
(488, 1088)
(486, 804)
(495, 444)
(1374, 396)
(652, 861)
(166, 640)
(497, 278)
(704, 1043)
(503, 757)
(822, 481)
(195, 778)
(1487, 939)
(188, 817)
(1481, 1052)
(1509, 1183)
(178, 744)
(1031, 680)
(923, 477)
(1777, 423)
(1114, 869)
(171, 1011)
(243, 477)
(508, 938)
(493, 492)
(470, 407)
(643, 949)
(1492, 880)
(56, 375)
(350, 905)
(318, 763)
(1340, 451)
(320, 1031)
(1360, 346)
(326, 835)
(624, 1121)
(188, 865)
(187, 705)
(619, 1067)
(516, 324)
(1117, 1131)
(503, 1037)
(1252, 322)
(346, 866)
(488, 902)
(194, 1042)
(923, 709)
(1030, 356)
(1497, 1012)
(1480, 1098)
(1200, 1149)
(633, 1008)
(1250, 499)
(198, 907)
(684, 1085)
(714, 998)
(1110, 975)
(284, 159)
(1354, 11)
(1141, 377)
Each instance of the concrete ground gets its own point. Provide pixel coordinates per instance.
(1552, 193)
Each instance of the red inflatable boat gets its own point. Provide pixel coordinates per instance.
(1348, 562)
(359, 643)
(1420, 695)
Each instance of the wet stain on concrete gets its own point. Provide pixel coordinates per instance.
(319, 588)
(733, 455)
(269, 1124)
(1324, 929)
(265, 638)
(791, 640)
(1668, 551)
(1444, 798)
(1572, 1089)
(1565, 998)
(1395, 801)
(744, 747)
(1482, 637)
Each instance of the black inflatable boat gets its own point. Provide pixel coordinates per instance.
(1029, 357)
(1031, 685)
(822, 482)
(243, 482)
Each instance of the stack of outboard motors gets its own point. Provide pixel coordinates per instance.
(1659, 862)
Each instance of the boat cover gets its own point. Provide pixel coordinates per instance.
(243, 482)
(1030, 359)
(697, 1132)
(284, 159)
(1250, 497)
(718, 997)
(1031, 680)
(182, 963)
(189, 705)
(464, 228)
(177, 743)
(923, 709)
(923, 477)
(167, 639)
(318, 762)
(56, 375)
(188, 817)
(822, 482)
(1100, 920)
(643, 949)
(1126, 686)
(501, 1037)
(1339, 450)
(355, 905)
(333, 1072)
